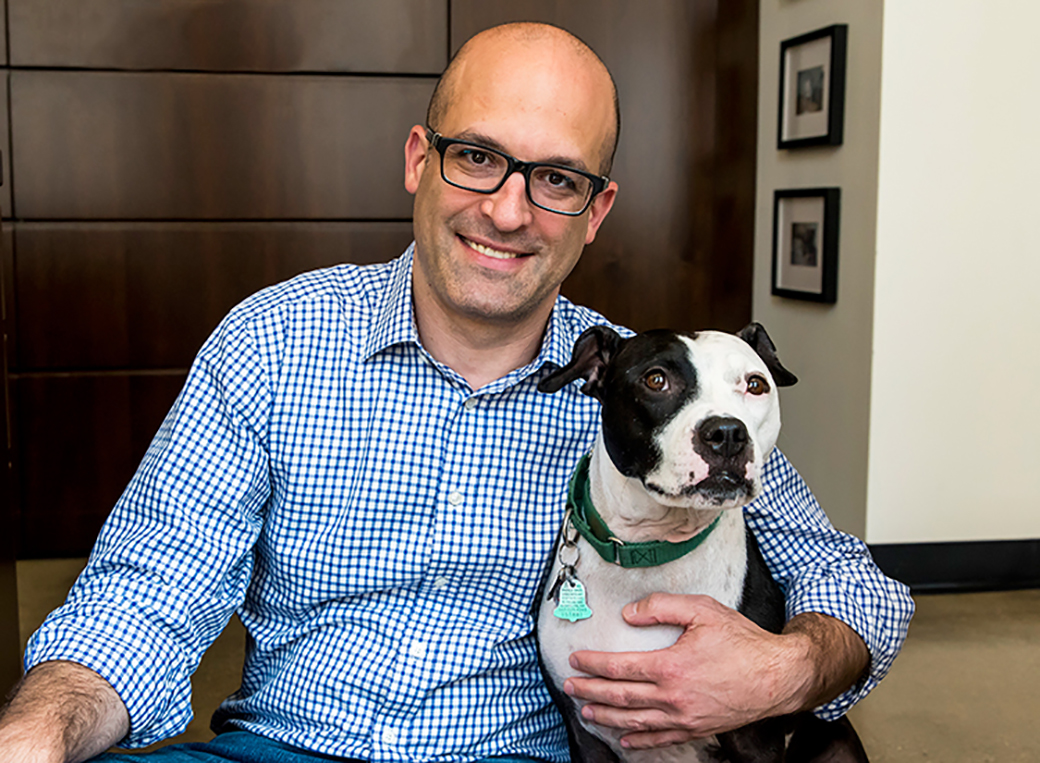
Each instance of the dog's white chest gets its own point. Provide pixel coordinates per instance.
(716, 568)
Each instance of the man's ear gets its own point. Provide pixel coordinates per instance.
(592, 352)
(598, 210)
(416, 151)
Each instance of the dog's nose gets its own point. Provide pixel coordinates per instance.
(724, 435)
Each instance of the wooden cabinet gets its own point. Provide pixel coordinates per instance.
(171, 159)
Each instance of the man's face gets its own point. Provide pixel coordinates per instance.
(498, 258)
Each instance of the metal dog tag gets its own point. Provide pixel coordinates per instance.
(572, 606)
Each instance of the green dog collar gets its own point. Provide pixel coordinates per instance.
(588, 522)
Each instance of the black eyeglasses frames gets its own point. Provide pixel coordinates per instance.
(553, 187)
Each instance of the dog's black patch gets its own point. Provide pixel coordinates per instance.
(616, 372)
(631, 405)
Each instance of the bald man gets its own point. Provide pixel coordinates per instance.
(361, 468)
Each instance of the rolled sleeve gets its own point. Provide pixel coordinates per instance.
(822, 570)
(174, 558)
(147, 671)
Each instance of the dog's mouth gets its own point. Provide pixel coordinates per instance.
(720, 489)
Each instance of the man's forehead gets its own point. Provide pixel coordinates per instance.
(552, 106)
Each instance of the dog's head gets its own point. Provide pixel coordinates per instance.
(693, 417)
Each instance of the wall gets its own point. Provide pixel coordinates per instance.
(827, 414)
(914, 421)
(954, 404)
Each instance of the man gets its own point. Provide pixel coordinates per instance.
(360, 467)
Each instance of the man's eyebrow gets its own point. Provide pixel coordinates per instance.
(487, 141)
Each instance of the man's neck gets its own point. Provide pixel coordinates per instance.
(480, 351)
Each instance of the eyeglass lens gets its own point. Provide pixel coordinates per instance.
(481, 170)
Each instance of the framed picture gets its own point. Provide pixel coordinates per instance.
(805, 243)
(812, 88)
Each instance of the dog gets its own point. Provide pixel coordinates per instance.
(688, 423)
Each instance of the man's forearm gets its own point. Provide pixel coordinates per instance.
(834, 658)
(61, 712)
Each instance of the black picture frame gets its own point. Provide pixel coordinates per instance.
(806, 225)
(812, 89)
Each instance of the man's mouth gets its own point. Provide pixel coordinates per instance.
(487, 251)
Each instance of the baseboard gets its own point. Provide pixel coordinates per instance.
(968, 566)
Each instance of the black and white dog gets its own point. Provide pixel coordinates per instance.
(688, 423)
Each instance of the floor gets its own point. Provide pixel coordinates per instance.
(966, 688)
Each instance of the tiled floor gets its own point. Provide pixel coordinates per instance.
(966, 688)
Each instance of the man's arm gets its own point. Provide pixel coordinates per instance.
(722, 673)
(61, 712)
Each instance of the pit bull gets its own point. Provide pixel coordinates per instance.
(689, 420)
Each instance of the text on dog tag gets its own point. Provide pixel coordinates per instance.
(572, 604)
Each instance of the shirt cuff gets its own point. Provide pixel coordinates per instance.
(883, 632)
(144, 669)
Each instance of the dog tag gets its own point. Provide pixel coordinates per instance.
(572, 604)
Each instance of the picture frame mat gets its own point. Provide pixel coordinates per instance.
(800, 209)
(798, 58)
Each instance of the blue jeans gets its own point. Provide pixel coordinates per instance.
(242, 747)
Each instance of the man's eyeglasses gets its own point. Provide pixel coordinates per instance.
(556, 188)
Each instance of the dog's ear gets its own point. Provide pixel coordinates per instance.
(589, 359)
(755, 335)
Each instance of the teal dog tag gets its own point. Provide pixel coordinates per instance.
(572, 604)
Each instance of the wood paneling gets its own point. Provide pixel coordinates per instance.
(79, 440)
(3, 32)
(10, 653)
(98, 145)
(676, 249)
(146, 295)
(389, 36)
(5, 148)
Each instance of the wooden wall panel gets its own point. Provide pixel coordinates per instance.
(99, 145)
(662, 257)
(388, 36)
(5, 147)
(10, 652)
(3, 32)
(80, 439)
(146, 295)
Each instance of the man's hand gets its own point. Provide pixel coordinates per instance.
(723, 672)
(61, 713)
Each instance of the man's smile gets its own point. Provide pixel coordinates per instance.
(488, 251)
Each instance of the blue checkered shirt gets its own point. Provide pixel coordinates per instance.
(380, 530)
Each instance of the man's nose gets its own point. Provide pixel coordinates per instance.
(508, 207)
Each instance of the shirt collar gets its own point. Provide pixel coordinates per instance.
(395, 321)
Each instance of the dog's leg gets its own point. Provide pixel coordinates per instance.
(585, 748)
(761, 742)
(816, 741)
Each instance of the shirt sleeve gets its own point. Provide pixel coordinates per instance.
(820, 569)
(173, 560)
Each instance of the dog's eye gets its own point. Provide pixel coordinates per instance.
(757, 385)
(656, 380)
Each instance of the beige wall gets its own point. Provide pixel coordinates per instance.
(826, 415)
(917, 416)
(955, 404)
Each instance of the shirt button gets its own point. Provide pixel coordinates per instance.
(389, 736)
(470, 404)
(417, 649)
(454, 497)
(440, 583)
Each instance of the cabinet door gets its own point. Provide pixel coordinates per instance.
(161, 146)
(386, 37)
